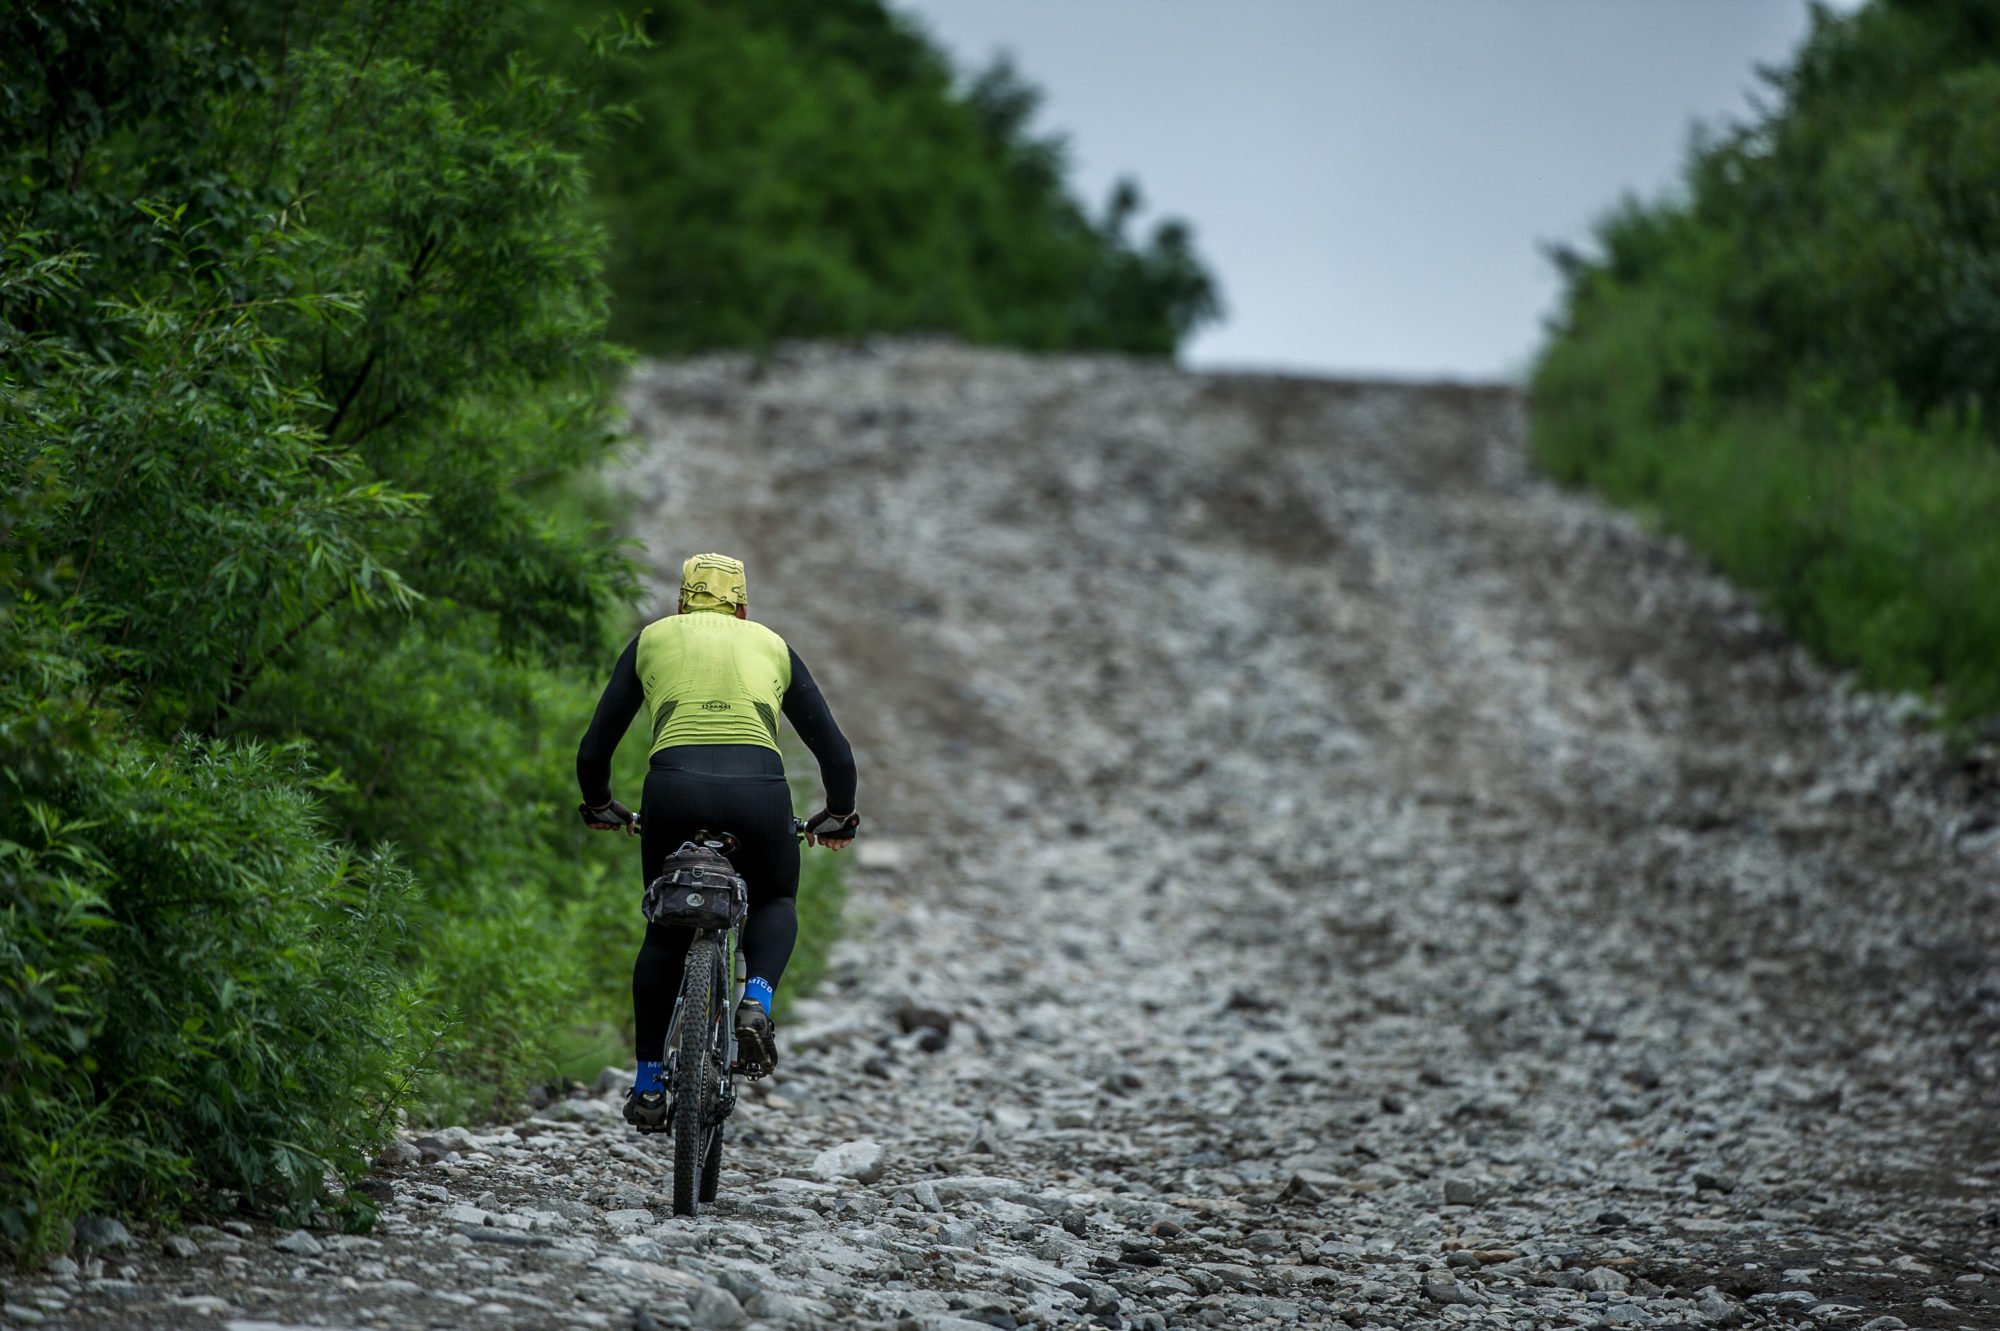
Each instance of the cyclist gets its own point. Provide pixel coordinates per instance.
(713, 683)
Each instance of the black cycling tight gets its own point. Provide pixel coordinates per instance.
(735, 788)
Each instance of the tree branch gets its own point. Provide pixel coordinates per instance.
(245, 675)
(353, 390)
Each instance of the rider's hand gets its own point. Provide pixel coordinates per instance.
(832, 830)
(611, 817)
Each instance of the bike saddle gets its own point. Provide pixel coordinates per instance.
(722, 843)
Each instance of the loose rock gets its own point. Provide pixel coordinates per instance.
(299, 1243)
(1287, 784)
(103, 1233)
(860, 1160)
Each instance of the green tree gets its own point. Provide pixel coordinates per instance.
(1794, 361)
(799, 169)
(302, 333)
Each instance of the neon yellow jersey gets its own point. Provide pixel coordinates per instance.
(711, 678)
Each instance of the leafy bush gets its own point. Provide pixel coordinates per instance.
(197, 987)
(279, 454)
(304, 587)
(1793, 363)
(200, 986)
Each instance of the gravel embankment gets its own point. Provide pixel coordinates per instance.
(1315, 872)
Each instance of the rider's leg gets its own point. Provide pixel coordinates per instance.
(739, 789)
(768, 937)
(656, 982)
(772, 873)
(656, 972)
(770, 867)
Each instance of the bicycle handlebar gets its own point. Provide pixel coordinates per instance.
(632, 820)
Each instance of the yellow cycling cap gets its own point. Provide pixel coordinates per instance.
(713, 582)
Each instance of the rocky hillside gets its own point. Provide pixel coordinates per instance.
(1314, 872)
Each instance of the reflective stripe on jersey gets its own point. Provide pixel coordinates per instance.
(711, 678)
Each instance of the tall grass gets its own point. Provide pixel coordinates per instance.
(1878, 545)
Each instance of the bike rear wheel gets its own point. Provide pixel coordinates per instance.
(711, 1168)
(697, 1077)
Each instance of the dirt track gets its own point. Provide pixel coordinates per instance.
(1327, 840)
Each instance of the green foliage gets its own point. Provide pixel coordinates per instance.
(1794, 362)
(301, 339)
(304, 587)
(199, 988)
(806, 169)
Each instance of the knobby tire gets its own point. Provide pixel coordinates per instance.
(711, 1165)
(694, 1076)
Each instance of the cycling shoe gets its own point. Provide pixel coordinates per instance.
(756, 1040)
(646, 1110)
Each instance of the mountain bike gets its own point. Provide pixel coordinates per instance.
(701, 1055)
(701, 1065)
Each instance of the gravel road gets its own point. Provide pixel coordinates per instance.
(1315, 872)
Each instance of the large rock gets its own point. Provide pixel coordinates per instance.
(714, 1308)
(769, 1305)
(399, 1154)
(299, 1244)
(456, 1138)
(859, 1160)
(629, 1220)
(103, 1233)
(580, 1111)
(443, 1143)
(1443, 1290)
(640, 1248)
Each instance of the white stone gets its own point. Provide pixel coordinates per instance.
(299, 1243)
(629, 1220)
(859, 1160)
(454, 1138)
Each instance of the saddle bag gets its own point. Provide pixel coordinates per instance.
(697, 889)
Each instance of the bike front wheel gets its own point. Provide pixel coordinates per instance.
(697, 1077)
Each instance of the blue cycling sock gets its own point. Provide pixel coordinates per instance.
(649, 1075)
(759, 988)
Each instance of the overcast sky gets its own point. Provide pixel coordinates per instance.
(1372, 179)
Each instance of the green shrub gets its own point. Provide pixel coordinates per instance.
(199, 985)
(1791, 363)
(297, 347)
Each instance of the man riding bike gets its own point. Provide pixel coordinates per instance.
(714, 683)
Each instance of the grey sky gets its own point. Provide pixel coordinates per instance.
(1372, 178)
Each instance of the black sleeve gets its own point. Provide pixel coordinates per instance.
(622, 699)
(806, 709)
